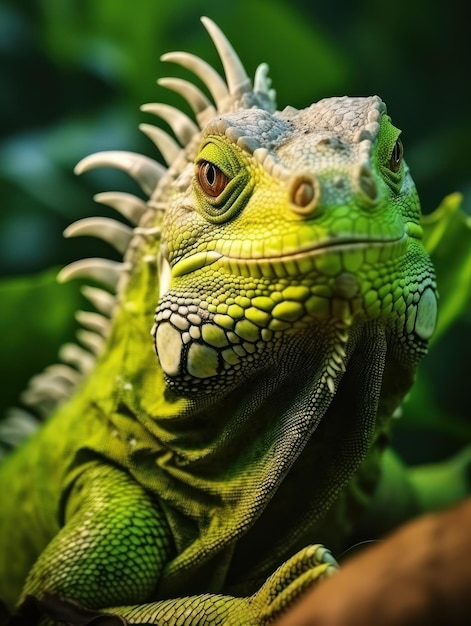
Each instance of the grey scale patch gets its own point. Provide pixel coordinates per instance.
(331, 123)
(252, 129)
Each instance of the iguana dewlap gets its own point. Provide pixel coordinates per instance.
(270, 311)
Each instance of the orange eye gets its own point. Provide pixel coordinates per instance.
(212, 180)
(396, 156)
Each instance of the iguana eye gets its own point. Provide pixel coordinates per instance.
(396, 156)
(212, 180)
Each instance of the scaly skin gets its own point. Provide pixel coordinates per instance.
(296, 300)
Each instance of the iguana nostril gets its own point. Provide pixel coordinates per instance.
(304, 195)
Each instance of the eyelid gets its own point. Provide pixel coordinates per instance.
(219, 156)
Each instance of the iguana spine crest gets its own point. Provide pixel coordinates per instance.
(57, 383)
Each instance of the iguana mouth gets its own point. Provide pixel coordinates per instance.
(353, 252)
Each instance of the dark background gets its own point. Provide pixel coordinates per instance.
(73, 74)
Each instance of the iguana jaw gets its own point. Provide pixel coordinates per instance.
(304, 260)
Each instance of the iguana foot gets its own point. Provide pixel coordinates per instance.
(291, 579)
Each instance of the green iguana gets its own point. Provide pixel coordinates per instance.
(278, 273)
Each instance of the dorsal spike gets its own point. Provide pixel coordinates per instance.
(45, 389)
(194, 96)
(44, 404)
(145, 171)
(93, 321)
(16, 425)
(262, 83)
(103, 271)
(166, 144)
(103, 301)
(184, 128)
(216, 85)
(93, 342)
(65, 372)
(113, 232)
(131, 207)
(236, 76)
(73, 354)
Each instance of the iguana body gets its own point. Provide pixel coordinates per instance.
(278, 262)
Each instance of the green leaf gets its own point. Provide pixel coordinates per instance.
(435, 419)
(37, 317)
(447, 237)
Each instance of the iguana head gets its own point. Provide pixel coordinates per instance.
(267, 224)
(281, 221)
(269, 228)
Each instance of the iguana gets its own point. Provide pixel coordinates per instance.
(273, 303)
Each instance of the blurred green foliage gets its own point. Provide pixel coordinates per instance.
(73, 74)
(438, 403)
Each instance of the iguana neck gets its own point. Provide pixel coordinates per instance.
(228, 453)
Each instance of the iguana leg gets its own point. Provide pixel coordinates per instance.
(112, 548)
(281, 589)
(110, 554)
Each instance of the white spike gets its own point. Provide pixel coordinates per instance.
(103, 301)
(102, 270)
(91, 341)
(203, 70)
(145, 171)
(44, 381)
(131, 207)
(194, 96)
(49, 385)
(45, 394)
(44, 405)
(180, 123)
(262, 83)
(93, 321)
(148, 231)
(59, 370)
(166, 144)
(236, 76)
(117, 234)
(17, 425)
(77, 356)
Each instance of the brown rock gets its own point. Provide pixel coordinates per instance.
(420, 575)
